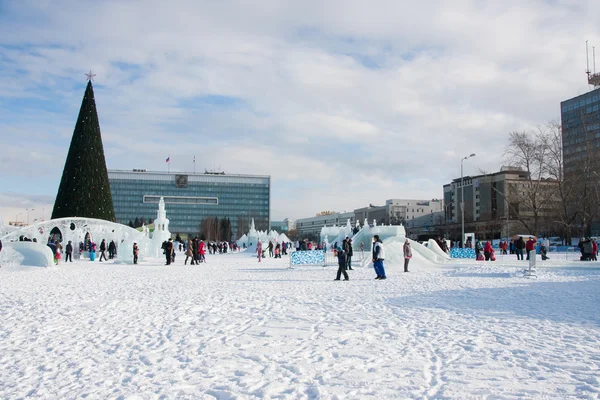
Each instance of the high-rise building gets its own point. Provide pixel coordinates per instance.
(191, 198)
(580, 117)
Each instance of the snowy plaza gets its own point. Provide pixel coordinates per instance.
(236, 329)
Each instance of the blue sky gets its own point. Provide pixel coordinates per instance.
(343, 103)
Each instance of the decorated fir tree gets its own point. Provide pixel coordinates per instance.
(84, 190)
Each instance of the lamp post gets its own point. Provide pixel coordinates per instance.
(507, 212)
(28, 209)
(462, 199)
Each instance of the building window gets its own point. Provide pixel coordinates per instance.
(181, 200)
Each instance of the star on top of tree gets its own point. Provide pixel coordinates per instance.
(90, 76)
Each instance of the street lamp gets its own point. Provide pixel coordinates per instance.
(28, 209)
(507, 212)
(462, 198)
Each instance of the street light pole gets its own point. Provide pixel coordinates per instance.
(462, 199)
(28, 209)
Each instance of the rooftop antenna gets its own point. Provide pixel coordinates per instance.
(593, 77)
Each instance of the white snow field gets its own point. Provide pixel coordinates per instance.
(237, 329)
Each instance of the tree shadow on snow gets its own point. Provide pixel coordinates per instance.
(569, 302)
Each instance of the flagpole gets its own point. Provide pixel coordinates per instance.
(169, 165)
(194, 165)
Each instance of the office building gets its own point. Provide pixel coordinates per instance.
(580, 118)
(191, 198)
(493, 201)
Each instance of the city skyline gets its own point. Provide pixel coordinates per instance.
(342, 104)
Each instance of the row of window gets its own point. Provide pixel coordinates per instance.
(580, 103)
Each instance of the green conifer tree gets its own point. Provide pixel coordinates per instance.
(84, 189)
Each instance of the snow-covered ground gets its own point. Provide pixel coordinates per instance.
(237, 329)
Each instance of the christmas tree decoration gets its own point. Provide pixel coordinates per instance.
(84, 189)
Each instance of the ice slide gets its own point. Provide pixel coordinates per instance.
(26, 253)
(435, 247)
(423, 258)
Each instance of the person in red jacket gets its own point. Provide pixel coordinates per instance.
(202, 250)
(487, 250)
(594, 250)
(529, 246)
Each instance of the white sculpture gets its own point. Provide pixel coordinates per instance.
(161, 229)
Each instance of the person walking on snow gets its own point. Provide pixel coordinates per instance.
(259, 250)
(189, 253)
(103, 250)
(270, 249)
(378, 257)
(407, 254)
(341, 255)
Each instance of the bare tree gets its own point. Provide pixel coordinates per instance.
(566, 212)
(527, 151)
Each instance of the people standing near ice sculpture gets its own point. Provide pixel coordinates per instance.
(136, 251)
(270, 248)
(278, 251)
(341, 255)
(69, 252)
(58, 252)
(259, 250)
(103, 250)
(378, 258)
(169, 251)
(407, 254)
(112, 249)
(487, 250)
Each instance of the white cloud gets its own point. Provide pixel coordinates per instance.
(326, 93)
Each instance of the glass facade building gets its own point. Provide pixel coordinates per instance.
(580, 117)
(191, 198)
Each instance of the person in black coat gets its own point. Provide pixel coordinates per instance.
(349, 253)
(112, 249)
(169, 251)
(341, 255)
(103, 250)
(69, 252)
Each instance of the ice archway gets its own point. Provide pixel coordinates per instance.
(75, 229)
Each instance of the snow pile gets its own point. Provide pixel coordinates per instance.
(26, 253)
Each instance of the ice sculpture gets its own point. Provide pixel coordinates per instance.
(161, 229)
(77, 230)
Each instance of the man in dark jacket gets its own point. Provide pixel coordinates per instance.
(103, 250)
(169, 251)
(69, 252)
(112, 249)
(341, 255)
(519, 247)
(349, 253)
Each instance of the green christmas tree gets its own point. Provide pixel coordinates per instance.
(84, 190)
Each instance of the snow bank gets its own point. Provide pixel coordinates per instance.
(26, 253)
